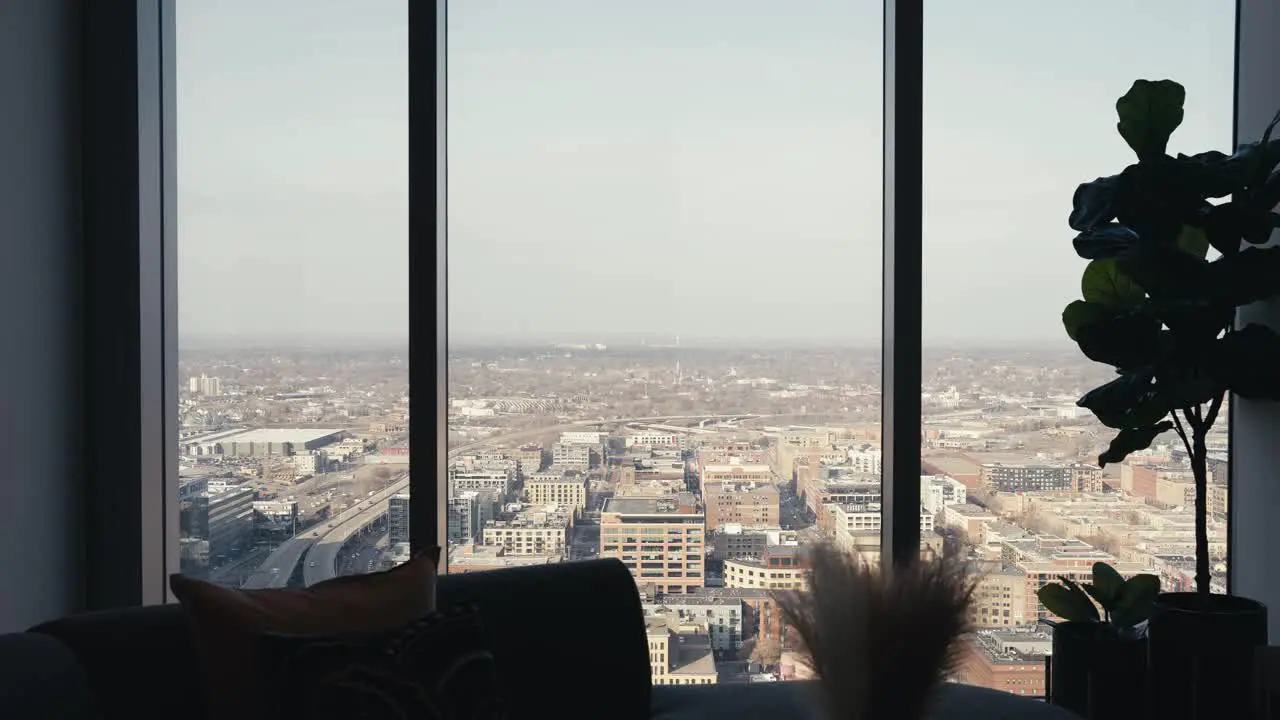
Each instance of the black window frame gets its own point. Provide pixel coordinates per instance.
(130, 288)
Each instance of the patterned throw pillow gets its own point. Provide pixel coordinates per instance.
(436, 668)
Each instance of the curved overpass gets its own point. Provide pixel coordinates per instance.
(280, 565)
(322, 554)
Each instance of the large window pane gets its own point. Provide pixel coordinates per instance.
(1019, 110)
(292, 186)
(664, 282)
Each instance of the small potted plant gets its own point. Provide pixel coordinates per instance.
(1161, 311)
(1099, 659)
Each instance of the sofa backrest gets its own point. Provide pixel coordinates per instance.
(552, 628)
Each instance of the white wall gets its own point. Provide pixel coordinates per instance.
(1255, 454)
(40, 313)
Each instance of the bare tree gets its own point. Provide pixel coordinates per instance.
(766, 651)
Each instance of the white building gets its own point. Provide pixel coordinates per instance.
(719, 617)
(532, 531)
(499, 481)
(571, 455)
(581, 437)
(865, 461)
(938, 491)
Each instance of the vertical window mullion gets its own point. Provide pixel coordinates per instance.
(902, 287)
(427, 283)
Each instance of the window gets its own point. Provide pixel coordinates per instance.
(663, 289)
(1005, 145)
(293, 310)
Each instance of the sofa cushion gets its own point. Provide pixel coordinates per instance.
(799, 701)
(41, 678)
(140, 661)
(227, 623)
(435, 668)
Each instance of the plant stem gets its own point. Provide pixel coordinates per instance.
(1200, 470)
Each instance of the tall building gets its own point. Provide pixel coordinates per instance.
(529, 459)
(660, 540)
(205, 385)
(398, 518)
(567, 487)
(740, 503)
(469, 512)
(571, 455)
(223, 516)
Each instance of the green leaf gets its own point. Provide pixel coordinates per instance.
(1067, 603)
(1132, 440)
(1107, 584)
(1248, 362)
(1094, 204)
(1103, 283)
(1130, 401)
(1079, 313)
(1137, 600)
(1104, 242)
(1149, 113)
(1244, 277)
(1193, 241)
(1127, 340)
(1164, 271)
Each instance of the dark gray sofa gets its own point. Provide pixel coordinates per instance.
(572, 635)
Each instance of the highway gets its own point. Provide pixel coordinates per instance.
(280, 564)
(322, 555)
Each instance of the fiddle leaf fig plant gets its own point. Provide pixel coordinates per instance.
(1125, 603)
(1155, 306)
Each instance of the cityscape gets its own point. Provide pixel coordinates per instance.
(708, 470)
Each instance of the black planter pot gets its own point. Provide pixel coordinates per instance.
(1097, 675)
(1200, 656)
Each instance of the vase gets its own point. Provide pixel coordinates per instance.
(1096, 674)
(1200, 656)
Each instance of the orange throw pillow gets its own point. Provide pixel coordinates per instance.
(227, 623)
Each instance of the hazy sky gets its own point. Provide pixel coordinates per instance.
(702, 168)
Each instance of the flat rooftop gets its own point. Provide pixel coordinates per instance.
(644, 506)
(296, 436)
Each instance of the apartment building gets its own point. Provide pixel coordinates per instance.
(780, 568)
(746, 541)
(567, 487)
(1008, 661)
(735, 473)
(528, 459)
(741, 503)
(468, 513)
(865, 460)
(719, 618)
(866, 518)
(532, 530)
(571, 455)
(1000, 600)
(938, 491)
(679, 658)
(660, 540)
(499, 481)
(1010, 478)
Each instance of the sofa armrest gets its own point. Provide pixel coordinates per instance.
(41, 678)
(569, 638)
